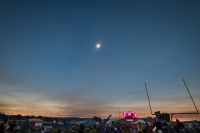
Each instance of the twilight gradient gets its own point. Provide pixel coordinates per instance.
(49, 64)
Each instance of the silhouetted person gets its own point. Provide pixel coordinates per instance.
(158, 125)
(100, 128)
(81, 129)
(25, 127)
(2, 128)
(12, 127)
(179, 126)
(59, 131)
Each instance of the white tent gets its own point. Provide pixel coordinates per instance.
(139, 121)
(35, 120)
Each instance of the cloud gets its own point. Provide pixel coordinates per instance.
(28, 101)
(3, 106)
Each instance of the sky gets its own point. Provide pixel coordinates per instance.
(49, 64)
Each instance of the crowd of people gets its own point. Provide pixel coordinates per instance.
(9, 127)
(154, 126)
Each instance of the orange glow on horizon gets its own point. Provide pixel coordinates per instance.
(46, 112)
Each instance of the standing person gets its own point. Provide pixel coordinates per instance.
(25, 127)
(139, 127)
(59, 131)
(165, 127)
(81, 129)
(108, 129)
(5, 126)
(148, 128)
(179, 127)
(100, 128)
(12, 127)
(158, 125)
(2, 127)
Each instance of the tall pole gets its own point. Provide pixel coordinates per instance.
(190, 95)
(119, 113)
(145, 84)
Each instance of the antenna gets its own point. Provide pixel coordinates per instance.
(190, 95)
(145, 84)
(119, 113)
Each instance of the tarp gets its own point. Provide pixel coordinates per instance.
(88, 122)
(38, 124)
(58, 125)
(139, 121)
(35, 120)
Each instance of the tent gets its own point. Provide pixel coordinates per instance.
(35, 120)
(139, 121)
(89, 122)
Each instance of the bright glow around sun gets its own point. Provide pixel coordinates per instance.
(98, 46)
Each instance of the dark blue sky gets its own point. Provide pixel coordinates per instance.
(47, 52)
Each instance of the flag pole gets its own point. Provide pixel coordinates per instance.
(145, 84)
(190, 95)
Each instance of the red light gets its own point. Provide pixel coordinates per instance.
(129, 115)
(124, 114)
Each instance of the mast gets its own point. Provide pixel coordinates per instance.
(145, 84)
(190, 96)
(119, 113)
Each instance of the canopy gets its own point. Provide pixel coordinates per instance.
(35, 120)
(88, 122)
